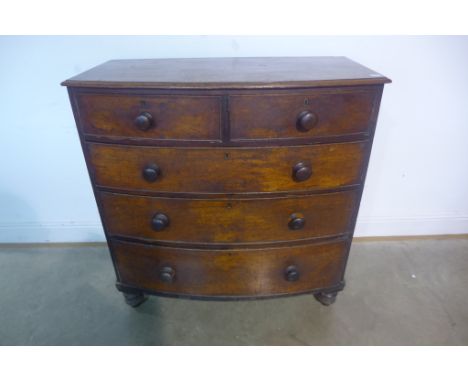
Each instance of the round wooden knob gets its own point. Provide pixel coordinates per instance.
(160, 221)
(291, 273)
(166, 274)
(306, 120)
(301, 172)
(296, 222)
(144, 121)
(151, 172)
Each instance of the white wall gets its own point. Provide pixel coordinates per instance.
(418, 176)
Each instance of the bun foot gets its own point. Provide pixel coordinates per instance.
(326, 298)
(134, 299)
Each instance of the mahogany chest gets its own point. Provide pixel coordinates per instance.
(228, 178)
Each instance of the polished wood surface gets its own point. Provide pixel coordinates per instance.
(173, 117)
(234, 273)
(273, 116)
(228, 73)
(221, 171)
(228, 178)
(230, 220)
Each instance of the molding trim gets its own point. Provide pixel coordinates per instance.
(51, 232)
(377, 226)
(410, 226)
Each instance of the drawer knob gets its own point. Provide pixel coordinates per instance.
(306, 120)
(151, 172)
(291, 273)
(296, 222)
(167, 274)
(301, 172)
(144, 121)
(160, 221)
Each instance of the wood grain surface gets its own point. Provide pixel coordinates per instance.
(233, 220)
(242, 272)
(228, 170)
(175, 117)
(274, 116)
(227, 73)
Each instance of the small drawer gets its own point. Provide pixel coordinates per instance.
(230, 273)
(228, 170)
(228, 220)
(150, 117)
(317, 113)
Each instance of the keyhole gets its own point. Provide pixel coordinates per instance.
(226, 155)
(306, 101)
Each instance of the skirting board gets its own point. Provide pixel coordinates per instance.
(411, 226)
(82, 232)
(53, 232)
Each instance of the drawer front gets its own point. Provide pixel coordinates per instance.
(312, 114)
(228, 170)
(228, 220)
(246, 272)
(151, 117)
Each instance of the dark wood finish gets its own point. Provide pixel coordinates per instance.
(151, 117)
(306, 120)
(134, 299)
(297, 221)
(144, 121)
(167, 274)
(124, 288)
(326, 298)
(234, 273)
(220, 171)
(318, 113)
(227, 73)
(230, 220)
(151, 172)
(228, 178)
(159, 222)
(291, 273)
(298, 138)
(301, 171)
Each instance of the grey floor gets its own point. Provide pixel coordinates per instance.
(412, 292)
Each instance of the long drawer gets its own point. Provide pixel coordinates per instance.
(228, 170)
(230, 273)
(228, 220)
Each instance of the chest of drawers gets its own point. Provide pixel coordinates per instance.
(228, 178)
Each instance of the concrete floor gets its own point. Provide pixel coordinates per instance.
(412, 292)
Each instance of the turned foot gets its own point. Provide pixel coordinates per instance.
(134, 299)
(326, 298)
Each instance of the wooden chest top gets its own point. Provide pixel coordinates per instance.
(228, 73)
